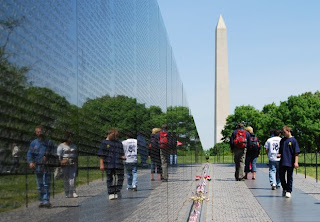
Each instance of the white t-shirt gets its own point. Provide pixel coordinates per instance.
(130, 148)
(273, 145)
(67, 151)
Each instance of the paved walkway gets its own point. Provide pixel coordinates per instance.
(229, 200)
(253, 200)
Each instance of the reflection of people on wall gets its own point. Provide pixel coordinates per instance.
(162, 137)
(68, 157)
(130, 148)
(154, 154)
(143, 150)
(111, 160)
(172, 145)
(40, 150)
(15, 157)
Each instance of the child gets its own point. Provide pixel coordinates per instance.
(130, 148)
(111, 160)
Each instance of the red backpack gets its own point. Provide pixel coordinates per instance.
(240, 141)
(163, 139)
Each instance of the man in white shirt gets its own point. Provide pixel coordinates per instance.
(130, 148)
(272, 146)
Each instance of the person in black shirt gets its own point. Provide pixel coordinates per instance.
(111, 160)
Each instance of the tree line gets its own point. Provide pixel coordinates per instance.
(300, 112)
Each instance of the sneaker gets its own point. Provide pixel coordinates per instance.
(283, 193)
(111, 197)
(75, 195)
(273, 186)
(134, 188)
(115, 196)
(47, 205)
(41, 205)
(288, 194)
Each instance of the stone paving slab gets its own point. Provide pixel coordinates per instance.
(231, 200)
(253, 200)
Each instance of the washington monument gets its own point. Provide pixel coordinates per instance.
(221, 80)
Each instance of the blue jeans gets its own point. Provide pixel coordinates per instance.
(286, 184)
(253, 161)
(274, 173)
(132, 176)
(43, 186)
(173, 159)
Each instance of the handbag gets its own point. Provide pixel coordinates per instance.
(58, 174)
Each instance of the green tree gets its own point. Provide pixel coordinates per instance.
(271, 119)
(247, 114)
(303, 115)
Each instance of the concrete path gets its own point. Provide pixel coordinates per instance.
(229, 200)
(253, 200)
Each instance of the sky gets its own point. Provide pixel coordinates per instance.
(273, 52)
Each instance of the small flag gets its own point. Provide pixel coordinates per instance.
(179, 143)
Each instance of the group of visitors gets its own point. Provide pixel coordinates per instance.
(283, 156)
(41, 158)
(115, 157)
(113, 153)
(245, 147)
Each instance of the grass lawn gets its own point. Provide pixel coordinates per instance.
(13, 188)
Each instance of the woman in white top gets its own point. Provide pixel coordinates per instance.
(68, 156)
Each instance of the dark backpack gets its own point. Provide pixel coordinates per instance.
(153, 142)
(254, 143)
(163, 139)
(240, 141)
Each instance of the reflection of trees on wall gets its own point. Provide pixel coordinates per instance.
(301, 113)
(24, 106)
(180, 121)
(13, 116)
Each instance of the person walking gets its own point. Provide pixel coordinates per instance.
(68, 157)
(289, 157)
(15, 157)
(130, 148)
(111, 160)
(38, 155)
(143, 149)
(162, 137)
(253, 152)
(154, 154)
(239, 141)
(172, 145)
(272, 146)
